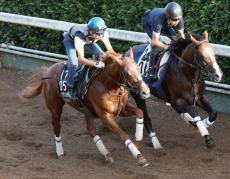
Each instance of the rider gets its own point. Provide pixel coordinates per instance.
(158, 24)
(76, 41)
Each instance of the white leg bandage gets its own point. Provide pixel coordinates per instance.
(139, 129)
(168, 104)
(132, 148)
(207, 123)
(101, 147)
(201, 127)
(155, 141)
(59, 147)
(186, 117)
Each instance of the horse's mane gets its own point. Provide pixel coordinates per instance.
(178, 46)
(107, 57)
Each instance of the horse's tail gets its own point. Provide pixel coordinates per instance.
(35, 86)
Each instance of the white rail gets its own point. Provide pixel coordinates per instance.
(211, 86)
(125, 35)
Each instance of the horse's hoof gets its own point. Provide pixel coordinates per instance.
(109, 160)
(210, 143)
(143, 163)
(60, 156)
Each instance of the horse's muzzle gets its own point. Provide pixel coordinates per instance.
(144, 91)
(217, 77)
(144, 95)
(217, 74)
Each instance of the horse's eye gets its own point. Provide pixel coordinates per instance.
(201, 58)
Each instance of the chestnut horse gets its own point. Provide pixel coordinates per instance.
(107, 97)
(184, 85)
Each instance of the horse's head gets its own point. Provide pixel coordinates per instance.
(131, 75)
(204, 58)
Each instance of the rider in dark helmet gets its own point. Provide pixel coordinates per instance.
(76, 41)
(158, 24)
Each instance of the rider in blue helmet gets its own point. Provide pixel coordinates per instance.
(77, 41)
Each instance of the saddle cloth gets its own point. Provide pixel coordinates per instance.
(83, 78)
(142, 58)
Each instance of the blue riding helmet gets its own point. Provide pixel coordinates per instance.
(97, 26)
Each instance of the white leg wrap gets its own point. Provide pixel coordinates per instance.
(101, 147)
(139, 129)
(186, 117)
(201, 127)
(168, 104)
(59, 147)
(155, 141)
(207, 123)
(132, 148)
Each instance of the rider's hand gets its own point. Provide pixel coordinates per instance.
(99, 64)
(166, 47)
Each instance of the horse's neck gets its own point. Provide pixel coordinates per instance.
(110, 77)
(188, 56)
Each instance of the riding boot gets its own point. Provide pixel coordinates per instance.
(153, 59)
(70, 82)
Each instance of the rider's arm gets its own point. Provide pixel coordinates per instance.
(106, 41)
(156, 42)
(181, 33)
(181, 29)
(79, 45)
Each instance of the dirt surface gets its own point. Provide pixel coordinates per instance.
(27, 148)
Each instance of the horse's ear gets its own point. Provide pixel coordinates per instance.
(131, 55)
(205, 34)
(116, 58)
(194, 40)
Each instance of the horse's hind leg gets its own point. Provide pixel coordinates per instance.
(109, 120)
(98, 141)
(55, 106)
(212, 114)
(141, 104)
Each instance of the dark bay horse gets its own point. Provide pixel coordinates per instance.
(106, 97)
(184, 85)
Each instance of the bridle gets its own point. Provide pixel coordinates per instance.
(199, 61)
(125, 82)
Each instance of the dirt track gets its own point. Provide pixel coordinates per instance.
(27, 143)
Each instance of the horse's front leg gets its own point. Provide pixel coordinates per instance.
(109, 120)
(131, 110)
(141, 104)
(98, 141)
(191, 115)
(212, 114)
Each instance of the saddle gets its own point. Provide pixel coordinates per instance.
(158, 61)
(83, 78)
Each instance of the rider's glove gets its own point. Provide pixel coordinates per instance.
(99, 64)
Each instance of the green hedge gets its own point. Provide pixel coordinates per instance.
(199, 15)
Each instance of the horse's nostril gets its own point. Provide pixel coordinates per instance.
(145, 94)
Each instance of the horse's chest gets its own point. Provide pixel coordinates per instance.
(195, 91)
(191, 93)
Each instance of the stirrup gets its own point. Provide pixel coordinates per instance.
(151, 73)
(69, 94)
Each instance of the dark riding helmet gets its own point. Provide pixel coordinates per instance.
(173, 10)
(96, 25)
